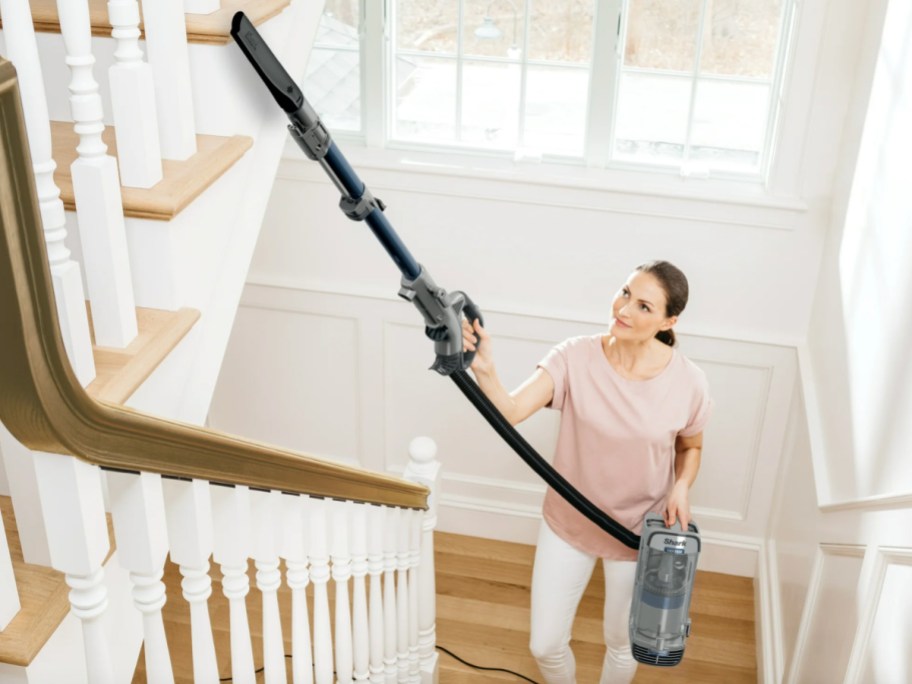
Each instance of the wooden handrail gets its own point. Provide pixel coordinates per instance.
(44, 407)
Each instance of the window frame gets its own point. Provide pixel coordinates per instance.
(376, 43)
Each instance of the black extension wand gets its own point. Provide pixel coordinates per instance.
(443, 312)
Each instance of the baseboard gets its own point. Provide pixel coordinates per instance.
(485, 518)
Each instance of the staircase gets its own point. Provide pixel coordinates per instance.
(138, 154)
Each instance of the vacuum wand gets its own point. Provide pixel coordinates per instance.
(442, 311)
(659, 618)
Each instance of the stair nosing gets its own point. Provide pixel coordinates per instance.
(139, 360)
(182, 181)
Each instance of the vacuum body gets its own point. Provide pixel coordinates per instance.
(660, 610)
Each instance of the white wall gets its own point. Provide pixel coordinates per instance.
(841, 553)
(326, 359)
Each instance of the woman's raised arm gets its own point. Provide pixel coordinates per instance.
(535, 393)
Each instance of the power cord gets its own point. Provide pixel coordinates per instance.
(256, 672)
(479, 667)
(439, 648)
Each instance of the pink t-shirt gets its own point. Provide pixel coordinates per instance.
(616, 439)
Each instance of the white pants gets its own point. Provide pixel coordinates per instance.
(559, 577)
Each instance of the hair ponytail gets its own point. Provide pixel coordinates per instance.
(667, 337)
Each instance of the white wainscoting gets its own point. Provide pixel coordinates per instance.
(822, 647)
(883, 643)
(345, 376)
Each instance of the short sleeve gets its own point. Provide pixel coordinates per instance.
(555, 364)
(701, 406)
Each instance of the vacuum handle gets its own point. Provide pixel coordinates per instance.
(472, 313)
(676, 527)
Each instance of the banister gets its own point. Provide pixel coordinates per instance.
(44, 406)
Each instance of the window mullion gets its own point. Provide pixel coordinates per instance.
(523, 77)
(698, 58)
(459, 58)
(375, 20)
(605, 71)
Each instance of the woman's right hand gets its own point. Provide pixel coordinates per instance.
(475, 338)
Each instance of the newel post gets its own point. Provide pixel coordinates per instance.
(424, 468)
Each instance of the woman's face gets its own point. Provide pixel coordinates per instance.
(639, 308)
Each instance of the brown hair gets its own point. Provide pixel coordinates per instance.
(674, 283)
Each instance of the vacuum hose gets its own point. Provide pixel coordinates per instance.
(541, 467)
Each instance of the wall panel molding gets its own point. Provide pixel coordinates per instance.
(872, 597)
(815, 589)
(817, 430)
(768, 615)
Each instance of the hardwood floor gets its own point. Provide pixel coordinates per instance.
(483, 617)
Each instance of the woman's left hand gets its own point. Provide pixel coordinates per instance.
(678, 506)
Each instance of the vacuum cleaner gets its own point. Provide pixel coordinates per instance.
(665, 573)
(658, 625)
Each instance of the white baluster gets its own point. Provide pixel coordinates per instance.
(295, 524)
(414, 665)
(266, 508)
(319, 576)
(390, 538)
(138, 510)
(424, 468)
(22, 51)
(231, 525)
(202, 6)
(402, 597)
(341, 572)
(360, 629)
(73, 507)
(9, 592)
(376, 525)
(88, 602)
(166, 43)
(188, 511)
(96, 188)
(23, 488)
(133, 100)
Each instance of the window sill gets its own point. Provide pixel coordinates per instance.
(657, 193)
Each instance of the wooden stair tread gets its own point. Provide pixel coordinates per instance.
(43, 595)
(201, 28)
(182, 182)
(119, 372)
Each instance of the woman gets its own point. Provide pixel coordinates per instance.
(633, 411)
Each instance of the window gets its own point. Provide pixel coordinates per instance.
(686, 85)
(332, 83)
